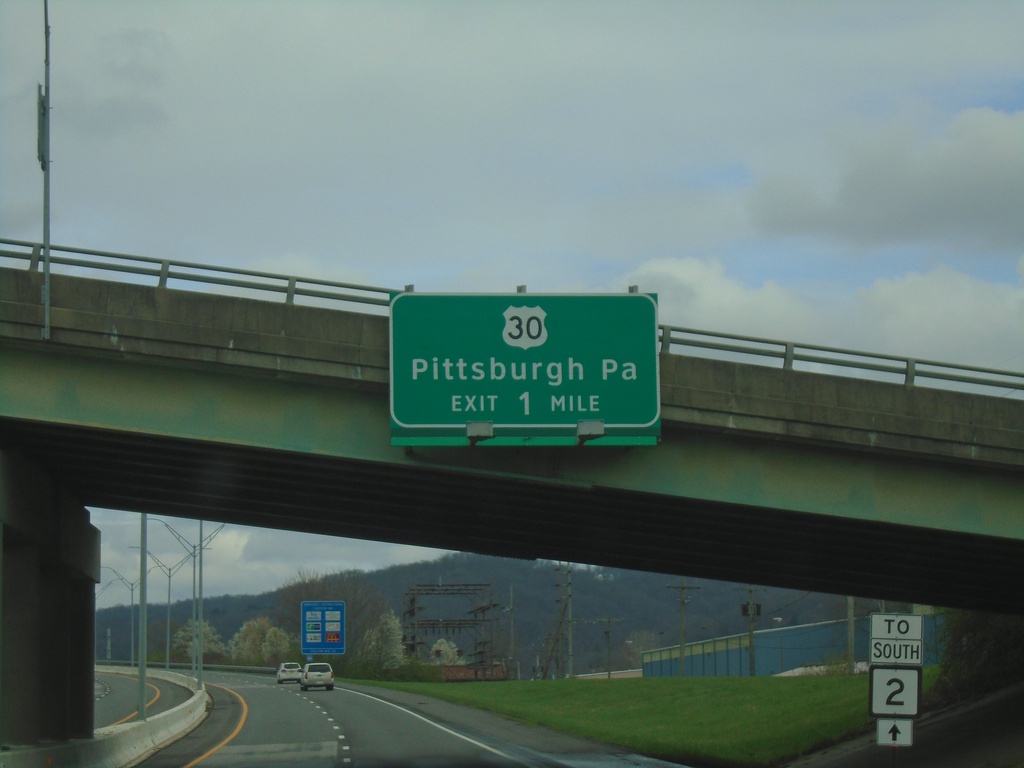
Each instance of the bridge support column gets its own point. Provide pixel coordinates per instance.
(48, 570)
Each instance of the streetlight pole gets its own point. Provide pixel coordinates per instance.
(608, 621)
(190, 548)
(199, 665)
(170, 570)
(143, 618)
(131, 612)
(196, 553)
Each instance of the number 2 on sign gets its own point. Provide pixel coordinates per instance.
(891, 699)
(525, 397)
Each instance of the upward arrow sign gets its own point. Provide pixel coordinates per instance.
(895, 732)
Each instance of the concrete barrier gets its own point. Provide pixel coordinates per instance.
(118, 746)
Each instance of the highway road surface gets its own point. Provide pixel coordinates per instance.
(256, 722)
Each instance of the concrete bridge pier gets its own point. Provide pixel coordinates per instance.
(49, 568)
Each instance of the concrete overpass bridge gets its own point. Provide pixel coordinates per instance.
(266, 404)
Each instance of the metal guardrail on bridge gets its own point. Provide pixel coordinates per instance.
(673, 339)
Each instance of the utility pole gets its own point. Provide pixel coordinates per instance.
(751, 609)
(555, 644)
(512, 632)
(850, 639)
(568, 597)
(682, 621)
(607, 621)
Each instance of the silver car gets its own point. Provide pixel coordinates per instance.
(319, 674)
(289, 671)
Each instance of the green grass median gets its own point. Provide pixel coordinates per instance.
(725, 721)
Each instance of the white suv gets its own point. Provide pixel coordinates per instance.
(289, 670)
(317, 675)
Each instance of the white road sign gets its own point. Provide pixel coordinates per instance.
(896, 639)
(897, 626)
(895, 691)
(907, 653)
(895, 732)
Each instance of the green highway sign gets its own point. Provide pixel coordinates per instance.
(524, 369)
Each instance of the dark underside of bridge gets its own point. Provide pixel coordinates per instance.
(523, 519)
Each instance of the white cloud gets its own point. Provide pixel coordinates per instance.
(700, 294)
(942, 315)
(961, 189)
(947, 316)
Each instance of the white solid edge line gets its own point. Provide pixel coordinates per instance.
(427, 720)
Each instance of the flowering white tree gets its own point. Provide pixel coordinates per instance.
(276, 645)
(247, 644)
(445, 652)
(381, 648)
(186, 641)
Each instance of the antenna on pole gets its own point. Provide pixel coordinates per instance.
(44, 162)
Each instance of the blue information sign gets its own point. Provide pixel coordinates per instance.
(322, 627)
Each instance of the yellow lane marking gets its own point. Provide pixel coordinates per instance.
(149, 703)
(232, 735)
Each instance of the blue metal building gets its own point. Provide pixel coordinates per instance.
(776, 650)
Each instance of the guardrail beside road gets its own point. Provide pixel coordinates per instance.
(171, 273)
(118, 745)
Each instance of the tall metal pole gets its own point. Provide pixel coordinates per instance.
(131, 611)
(170, 570)
(850, 637)
(44, 160)
(131, 628)
(195, 632)
(569, 609)
(512, 629)
(608, 649)
(751, 615)
(607, 621)
(143, 622)
(190, 549)
(682, 626)
(682, 622)
(196, 551)
(199, 665)
(167, 642)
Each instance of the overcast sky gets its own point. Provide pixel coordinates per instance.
(840, 173)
